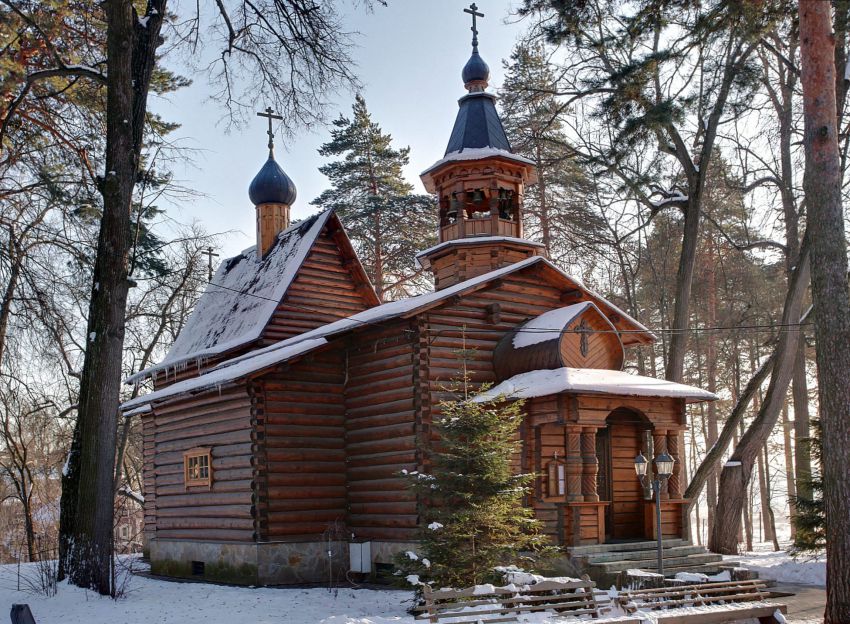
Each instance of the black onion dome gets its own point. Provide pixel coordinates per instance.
(475, 69)
(272, 186)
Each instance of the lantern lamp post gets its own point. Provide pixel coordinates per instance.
(663, 470)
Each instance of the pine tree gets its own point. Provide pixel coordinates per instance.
(473, 517)
(557, 209)
(386, 221)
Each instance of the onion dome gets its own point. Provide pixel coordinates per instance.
(272, 186)
(475, 70)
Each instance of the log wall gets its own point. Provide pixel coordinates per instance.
(303, 489)
(324, 291)
(380, 432)
(220, 419)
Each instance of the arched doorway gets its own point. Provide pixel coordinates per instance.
(617, 447)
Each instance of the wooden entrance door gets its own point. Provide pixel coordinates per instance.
(626, 493)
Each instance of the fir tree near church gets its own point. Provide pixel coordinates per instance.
(475, 519)
(387, 222)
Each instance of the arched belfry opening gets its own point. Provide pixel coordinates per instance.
(626, 434)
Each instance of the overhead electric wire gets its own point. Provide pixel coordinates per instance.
(765, 328)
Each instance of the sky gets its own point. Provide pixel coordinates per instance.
(409, 56)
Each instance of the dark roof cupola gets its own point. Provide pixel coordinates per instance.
(272, 192)
(271, 185)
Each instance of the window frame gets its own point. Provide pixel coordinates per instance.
(198, 453)
(556, 479)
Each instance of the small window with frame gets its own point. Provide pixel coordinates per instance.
(197, 467)
(556, 472)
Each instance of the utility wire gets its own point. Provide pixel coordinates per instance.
(764, 328)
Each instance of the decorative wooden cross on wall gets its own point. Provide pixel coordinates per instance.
(584, 331)
(270, 114)
(473, 11)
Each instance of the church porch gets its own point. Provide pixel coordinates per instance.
(583, 447)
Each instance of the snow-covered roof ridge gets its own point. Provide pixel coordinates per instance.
(241, 298)
(591, 381)
(549, 325)
(422, 260)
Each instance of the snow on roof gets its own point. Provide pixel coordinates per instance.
(470, 153)
(226, 372)
(548, 326)
(422, 260)
(297, 345)
(241, 298)
(591, 381)
(284, 350)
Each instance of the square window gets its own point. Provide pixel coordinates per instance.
(197, 467)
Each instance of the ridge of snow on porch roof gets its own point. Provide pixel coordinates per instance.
(591, 381)
(242, 296)
(280, 352)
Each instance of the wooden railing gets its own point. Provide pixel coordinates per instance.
(479, 227)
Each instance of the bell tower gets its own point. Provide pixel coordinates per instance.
(479, 185)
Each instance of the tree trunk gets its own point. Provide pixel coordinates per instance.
(737, 471)
(790, 486)
(764, 500)
(822, 187)
(770, 514)
(728, 432)
(545, 226)
(802, 429)
(684, 281)
(711, 362)
(87, 505)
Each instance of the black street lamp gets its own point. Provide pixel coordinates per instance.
(663, 470)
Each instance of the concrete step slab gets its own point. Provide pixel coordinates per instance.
(580, 551)
(633, 555)
(651, 564)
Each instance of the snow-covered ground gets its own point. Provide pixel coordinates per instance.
(783, 568)
(150, 601)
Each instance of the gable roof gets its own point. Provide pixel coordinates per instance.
(285, 350)
(242, 296)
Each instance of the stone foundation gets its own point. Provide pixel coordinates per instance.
(267, 563)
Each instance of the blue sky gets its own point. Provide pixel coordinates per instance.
(409, 58)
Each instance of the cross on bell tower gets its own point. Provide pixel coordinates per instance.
(473, 11)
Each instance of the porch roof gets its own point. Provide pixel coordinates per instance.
(591, 381)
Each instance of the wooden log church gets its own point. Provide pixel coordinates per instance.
(280, 420)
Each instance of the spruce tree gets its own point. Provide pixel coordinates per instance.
(810, 520)
(558, 210)
(387, 222)
(473, 517)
